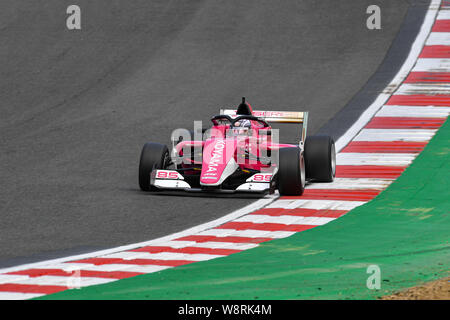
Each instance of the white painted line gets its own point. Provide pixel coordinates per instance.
(146, 269)
(226, 245)
(176, 244)
(246, 233)
(375, 159)
(438, 39)
(398, 79)
(414, 112)
(7, 278)
(352, 183)
(394, 135)
(70, 267)
(127, 255)
(432, 65)
(260, 218)
(443, 15)
(63, 281)
(209, 245)
(19, 296)
(316, 204)
(424, 88)
(105, 267)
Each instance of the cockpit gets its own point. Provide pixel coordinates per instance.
(241, 125)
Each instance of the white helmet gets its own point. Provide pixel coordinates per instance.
(241, 127)
(243, 124)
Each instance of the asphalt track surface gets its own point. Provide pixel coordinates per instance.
(77, 106)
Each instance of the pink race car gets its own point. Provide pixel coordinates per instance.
(239, 153)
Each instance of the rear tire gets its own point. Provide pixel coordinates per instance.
(153, 156)
(291, 172)
(320, 158)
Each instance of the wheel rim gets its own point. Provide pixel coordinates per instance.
(165, 160)
(302, 171)
(333, 160)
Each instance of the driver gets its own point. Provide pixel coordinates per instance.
(241, 127)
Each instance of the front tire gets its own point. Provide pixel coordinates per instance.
(153, 156)
(291, 172)
(320, 158)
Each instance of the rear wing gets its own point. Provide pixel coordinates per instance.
(278, 117)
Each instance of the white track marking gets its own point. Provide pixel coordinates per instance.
(19, 296)
(414, 112)
(70, 267)
(106, 267)
(7, 278)
(424, 88)
(127, 255)
(352, 183)
(246, 233)
(394, 135)
(145, 269)
(376, 159)
(288, 220)
(226, 245)
(316, 204)
(432, 65)
(398, 79)
(438, 38)
(443, 15)
(210, 245)
(176, 244)
(63, 281)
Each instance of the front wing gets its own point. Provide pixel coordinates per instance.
(173, 180)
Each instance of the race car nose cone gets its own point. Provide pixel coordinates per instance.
(218, 161)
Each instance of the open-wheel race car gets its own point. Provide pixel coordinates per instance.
(239, 153)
